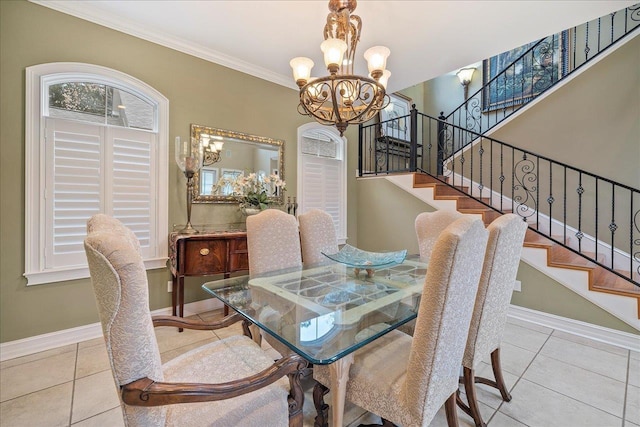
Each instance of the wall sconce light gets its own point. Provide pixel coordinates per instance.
(212, 147)
(465, 75)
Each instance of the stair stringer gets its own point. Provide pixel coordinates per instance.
(622, 307)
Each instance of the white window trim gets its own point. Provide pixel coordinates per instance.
(37, 77)
(333, 134)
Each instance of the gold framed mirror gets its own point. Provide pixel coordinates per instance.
(229, 154)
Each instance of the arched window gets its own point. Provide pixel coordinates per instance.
(322, 168)
(96, 142)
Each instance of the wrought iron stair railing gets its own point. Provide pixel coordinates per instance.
(594, 217)
(542, 64)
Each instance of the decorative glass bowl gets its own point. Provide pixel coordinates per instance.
(363, 260)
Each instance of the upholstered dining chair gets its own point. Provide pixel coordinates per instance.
(317, 235)
(226, 382)
(273, 243)
(429, 225)
(404, 379)
(504, 247)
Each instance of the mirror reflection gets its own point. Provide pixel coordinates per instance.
(227, 155)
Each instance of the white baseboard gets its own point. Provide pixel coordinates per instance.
(576, 327)
(38, 343)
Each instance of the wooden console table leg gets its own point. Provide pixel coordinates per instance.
(180, 298)
(174, 296)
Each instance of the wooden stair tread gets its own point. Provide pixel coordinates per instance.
(605, 281)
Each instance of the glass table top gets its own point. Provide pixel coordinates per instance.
(325, 312)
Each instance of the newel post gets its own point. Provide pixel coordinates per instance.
(360, 143)
(413, 156)
(441, 142)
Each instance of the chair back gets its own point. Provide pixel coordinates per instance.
(120, 284)
(317, 235)
(429, 225)
(443, 317)
(273, 241)
(504, 247)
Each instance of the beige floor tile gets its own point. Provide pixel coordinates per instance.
(501, 420)
(235, 329)
(169, 338)
(49, 407)
(635, 355)
(634, 372)
(591, 343)
(524, 338)
(91, 343)
(92, 360)
(94, 395)
(632, 410)
(585, 386)
(111, 418)
(37, 356)
(587, 357)
(440, 420)
(513, 359)
(487, 394)
(630, 424)
(547, 408)
(529, 325)
(37, 375)
(212, 315)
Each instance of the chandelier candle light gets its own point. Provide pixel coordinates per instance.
(189, 160)
(342, 97)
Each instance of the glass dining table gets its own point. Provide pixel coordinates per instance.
(325, 312)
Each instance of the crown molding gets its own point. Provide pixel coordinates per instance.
(83, 11)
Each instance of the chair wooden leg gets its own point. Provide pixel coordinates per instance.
(470, 389)
(322, 409)
(296, 397)
(451, 411)
(497, 373)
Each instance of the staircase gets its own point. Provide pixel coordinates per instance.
(584, 229)
(617, 295)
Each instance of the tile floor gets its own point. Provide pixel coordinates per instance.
(556, 379)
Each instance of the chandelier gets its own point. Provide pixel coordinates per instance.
(342, 97)
(211, 148)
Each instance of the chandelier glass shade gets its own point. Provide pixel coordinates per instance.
(342, 97)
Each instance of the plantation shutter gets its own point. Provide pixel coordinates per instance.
(132, 188)
(96, 169)
(322, 187)
(72, 189)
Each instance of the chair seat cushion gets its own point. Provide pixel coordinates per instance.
(222, 361)
(377, 375)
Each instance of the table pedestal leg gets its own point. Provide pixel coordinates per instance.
(339, 373)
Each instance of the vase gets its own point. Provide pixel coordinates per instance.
(251, 211)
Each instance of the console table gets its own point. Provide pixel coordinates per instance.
(204, 254)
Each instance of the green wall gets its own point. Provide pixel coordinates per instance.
(198, 92)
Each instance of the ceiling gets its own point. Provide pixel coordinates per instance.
(426, 38)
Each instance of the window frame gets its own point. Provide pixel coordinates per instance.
(38, 78)
(333, 134)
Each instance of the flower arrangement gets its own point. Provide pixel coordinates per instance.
(252, 190)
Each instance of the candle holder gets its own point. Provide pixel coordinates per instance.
(189, 160)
